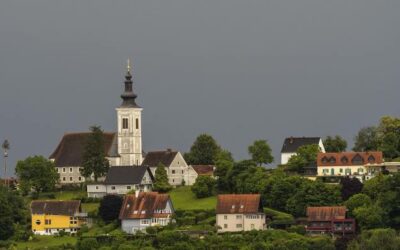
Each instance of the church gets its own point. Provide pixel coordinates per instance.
(122, 148)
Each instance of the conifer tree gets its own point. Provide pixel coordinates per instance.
(94, 160)
(161, 183)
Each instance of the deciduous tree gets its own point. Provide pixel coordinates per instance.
(203, 151)
(36, 173)
(109, 207)
(349, 187)
(204, 186)
(260, 152)
(335, 144)
(366, 139)
(305, 155)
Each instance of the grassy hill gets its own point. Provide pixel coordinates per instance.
(184, 199)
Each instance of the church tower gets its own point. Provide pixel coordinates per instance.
(129, 116)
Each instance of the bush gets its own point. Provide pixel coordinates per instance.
(87, 244)
(204, 186)
(109, 208)
(299, 229)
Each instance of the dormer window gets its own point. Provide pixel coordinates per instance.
(233, 206)
(344, 160)
(324, 159)
(357, 160)
(371, 159)
(143, 211)
(332, 159)
(242, 206)
(135, 212)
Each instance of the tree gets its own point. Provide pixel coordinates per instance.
(204, 186)
(36, 173)
(366, 139)
(261, 152)
(335, 144)
(94, 158)
(222, 169)
(372, 216)
(203, 151)
(349, 187)
(305, 156)
(12, 212)
(109, 207)
(382, 238)
(161, 183)
(356, 201)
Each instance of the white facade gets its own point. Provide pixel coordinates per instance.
(129, 136)
(179, 170)
(70, 175)
(286, 156)
(240, 222)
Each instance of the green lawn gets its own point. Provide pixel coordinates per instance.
(90, 207)
(41, 242)
(184, 199)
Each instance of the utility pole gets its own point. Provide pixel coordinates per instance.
(6, 147)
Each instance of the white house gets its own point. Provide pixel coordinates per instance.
(123, 179)
(141, 210)
(291, 144)
(176, 166)
(122, 148)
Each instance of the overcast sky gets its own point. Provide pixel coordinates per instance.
(238, 70)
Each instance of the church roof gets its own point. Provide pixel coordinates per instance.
(69, 151)
(120, 175)
(154, 158)
(291, 144)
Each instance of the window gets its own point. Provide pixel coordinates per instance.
(360, 170)
(97, 187)
(332, 171)
(238, 225)
(173, 171)
(357, 159)
(113, 188)
(341, 170)
(238, 217)
(182, 171)
(124, 123)
(225, 217)
(347, 171)
(324, 159)
(64, 170)
(332, 160)
(137, 123)
(47, 222)
(344, 160)
(225, 225)
(233, 206)
(64, 179)
(80, 170)
(37, 222)
(128, 187)
(70, 170)
(371, 159)
(79, 178)
(145, 222)
(70, 178)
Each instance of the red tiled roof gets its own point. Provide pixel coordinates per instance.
(146, 205)
(349, 158)
(69, 151)
(238, 204)
(55, 207)
(204, 169)
(326, 213)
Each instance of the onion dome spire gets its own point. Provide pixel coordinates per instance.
(128, 97)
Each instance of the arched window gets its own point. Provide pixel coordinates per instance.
(371, 159)
(357, 160)
(344, 160)
(324, 159)
(332, 159)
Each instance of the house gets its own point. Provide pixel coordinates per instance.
(240, 212)
(51, 217)
(177, 169)
(141, 210)
(352, 164)
(332, 220)
(204, 170)
(121, 180)
(291, 144)
(122, 148)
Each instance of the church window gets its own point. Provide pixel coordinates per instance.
(125, 123)
(137, 123)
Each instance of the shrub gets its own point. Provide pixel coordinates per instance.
(204, 186)
(87, 244)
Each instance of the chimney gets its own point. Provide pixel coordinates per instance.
(169, 150)
(291, 140)
(137, 193)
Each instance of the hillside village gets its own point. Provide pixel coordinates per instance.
(100, 190)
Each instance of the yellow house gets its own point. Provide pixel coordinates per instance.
(51, 217)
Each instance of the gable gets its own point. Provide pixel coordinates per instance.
(153, 159)
(291, 144)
